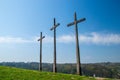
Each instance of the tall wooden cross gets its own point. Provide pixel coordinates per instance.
(54, 28)
(40, 64)
(79, 72)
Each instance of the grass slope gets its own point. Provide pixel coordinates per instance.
(10, 73)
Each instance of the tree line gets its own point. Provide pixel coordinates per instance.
(109, 70)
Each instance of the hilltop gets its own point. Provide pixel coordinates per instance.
(11, 73)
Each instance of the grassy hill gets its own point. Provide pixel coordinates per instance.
(105, 69)
(11, 73)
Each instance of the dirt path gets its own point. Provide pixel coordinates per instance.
(99, 78)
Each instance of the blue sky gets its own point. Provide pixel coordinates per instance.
(21, 22)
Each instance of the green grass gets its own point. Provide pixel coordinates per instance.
(10, 73)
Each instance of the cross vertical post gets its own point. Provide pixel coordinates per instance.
(40, 64)
(54, 28)
(79, 72)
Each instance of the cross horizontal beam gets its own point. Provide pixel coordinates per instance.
(78, 21)
(55, 26)
(41, 39)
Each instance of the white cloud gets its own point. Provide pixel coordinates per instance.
(48, 39)
(13, 40)
(66, 39)
(60, 39)
(97, 38)
(91, 38)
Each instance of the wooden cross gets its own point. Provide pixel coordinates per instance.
(79, 72)
(54, 28)
(41, 37)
